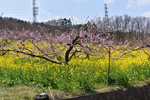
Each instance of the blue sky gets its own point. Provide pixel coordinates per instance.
(78, 10)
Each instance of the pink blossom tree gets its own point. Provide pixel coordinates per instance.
(60, 49)
(55, 48)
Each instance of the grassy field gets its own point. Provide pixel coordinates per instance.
(18, 92)
(81, 76)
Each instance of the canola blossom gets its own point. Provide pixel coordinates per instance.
(79, 74)
(75, 61)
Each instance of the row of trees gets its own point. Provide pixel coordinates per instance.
(136, 26)
(131, 27)
(60, 22)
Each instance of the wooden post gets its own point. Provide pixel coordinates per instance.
(108, 77)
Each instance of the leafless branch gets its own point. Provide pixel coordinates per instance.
(30, 54)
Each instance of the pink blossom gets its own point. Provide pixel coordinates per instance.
(109, 28)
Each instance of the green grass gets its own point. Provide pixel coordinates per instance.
(21, 92)
(81, 76)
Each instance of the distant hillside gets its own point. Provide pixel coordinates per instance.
(13, 24)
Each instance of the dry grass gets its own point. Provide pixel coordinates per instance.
(21, 92)
(17, 93)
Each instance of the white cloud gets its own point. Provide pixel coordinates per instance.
(109, 1)
(141, 3)
(131, 4)
(137, 3)
(146, 14)
(81, 0)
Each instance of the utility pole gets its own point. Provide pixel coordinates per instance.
(35, 11)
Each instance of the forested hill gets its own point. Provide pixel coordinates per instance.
(13, 24)
(134, 26)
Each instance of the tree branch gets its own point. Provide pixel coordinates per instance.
(33, 55)
(70, 48)
(73, 54)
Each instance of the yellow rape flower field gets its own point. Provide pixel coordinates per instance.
(80, 76)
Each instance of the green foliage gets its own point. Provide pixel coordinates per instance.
(80, 76)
